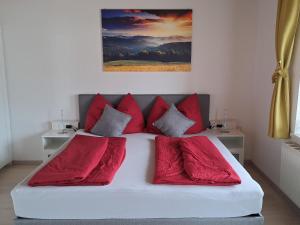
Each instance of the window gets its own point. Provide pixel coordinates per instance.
(295, 92)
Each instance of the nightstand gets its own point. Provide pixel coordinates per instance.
(234, 140)
(53, 140)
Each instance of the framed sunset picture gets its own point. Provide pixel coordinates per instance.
(141, 40)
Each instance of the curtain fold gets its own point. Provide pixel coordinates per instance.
(286, 28)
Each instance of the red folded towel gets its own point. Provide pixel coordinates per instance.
(194, 160)
(82, 160)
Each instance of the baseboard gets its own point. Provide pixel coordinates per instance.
(26, 162)
(273, 185)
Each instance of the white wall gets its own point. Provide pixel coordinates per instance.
(53, 52)
(266, 151)
(5, 138)
(243, 68)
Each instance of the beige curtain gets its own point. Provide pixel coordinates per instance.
(286, 27)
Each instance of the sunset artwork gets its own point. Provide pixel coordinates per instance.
(146, 40)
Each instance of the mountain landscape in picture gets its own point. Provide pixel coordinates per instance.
(146, 40)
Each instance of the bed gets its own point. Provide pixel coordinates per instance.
(133, 199)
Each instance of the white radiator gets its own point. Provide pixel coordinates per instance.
(290, 171)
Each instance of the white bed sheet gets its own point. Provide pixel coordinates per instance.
(131, 194)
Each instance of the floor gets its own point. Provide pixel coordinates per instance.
(277, 210)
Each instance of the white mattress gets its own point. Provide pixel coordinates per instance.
(131, 195)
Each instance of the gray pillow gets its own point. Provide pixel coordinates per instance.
(173, 123)
(111, 123)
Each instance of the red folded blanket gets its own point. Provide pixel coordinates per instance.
(111, 161)
(192, 161)
(87, 160)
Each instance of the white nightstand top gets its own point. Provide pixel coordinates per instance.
(58, 134)
(225, 133)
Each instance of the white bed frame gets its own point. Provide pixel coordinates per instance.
(248, 220)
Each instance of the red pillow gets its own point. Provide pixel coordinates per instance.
(129, 106)
(158, 109)
(94, 112)
(190, 107)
